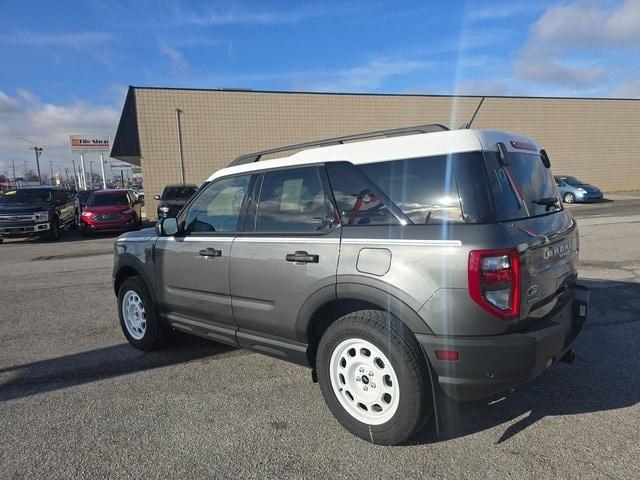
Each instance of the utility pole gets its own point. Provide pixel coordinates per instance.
(66, 173)
(14, 172)
(91, 173)
(51, 167)
(38, 151)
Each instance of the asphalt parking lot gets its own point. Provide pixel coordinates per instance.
(77, 401)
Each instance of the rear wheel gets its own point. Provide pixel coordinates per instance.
(373, 377)
(138, 319)
(569, 198)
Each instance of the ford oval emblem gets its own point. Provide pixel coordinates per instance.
(532, 290)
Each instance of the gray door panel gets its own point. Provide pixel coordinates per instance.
(267, 290)
(193, 285)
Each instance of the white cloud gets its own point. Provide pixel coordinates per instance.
(630, 89)
(49, 125)
(560, 40)
(178, 62)
(552, 71)
(579, 26)
(7, 104)
(498, 11)
(363, 78)
(249, 17)
(480, 87)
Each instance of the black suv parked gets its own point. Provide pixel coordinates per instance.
(173, 198)
(43, 211)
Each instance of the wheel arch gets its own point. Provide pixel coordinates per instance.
(128, 268)
(332, 302)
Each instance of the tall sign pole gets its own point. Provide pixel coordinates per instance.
(104, 179)
(75, 176)
(83, 179)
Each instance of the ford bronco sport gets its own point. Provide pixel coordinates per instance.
(429, 263)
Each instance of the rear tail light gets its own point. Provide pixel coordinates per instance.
(494, 281)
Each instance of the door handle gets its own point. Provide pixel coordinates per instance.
(302, 257)
(210, 252)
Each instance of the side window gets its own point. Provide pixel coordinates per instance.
(558, 182)
(292, 200)
(423, 188)
(219, 206)
(60, 198)
(355, 197)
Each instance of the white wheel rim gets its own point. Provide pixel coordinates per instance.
(366, 385)
(134, 314)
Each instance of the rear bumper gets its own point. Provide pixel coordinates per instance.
(23, 230)
(491, 364)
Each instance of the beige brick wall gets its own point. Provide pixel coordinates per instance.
(598, 140)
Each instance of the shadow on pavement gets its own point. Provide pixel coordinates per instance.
(101, 363)
(605, 375)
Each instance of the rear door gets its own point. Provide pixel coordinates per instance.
(193, 267)
(546, 235)
(288, 254)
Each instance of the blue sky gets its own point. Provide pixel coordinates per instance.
(66, 65)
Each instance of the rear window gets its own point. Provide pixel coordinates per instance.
(107, 199)
(517, 187)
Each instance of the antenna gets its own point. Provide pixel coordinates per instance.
(473, 117)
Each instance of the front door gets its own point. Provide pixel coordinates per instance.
(193, 265)
(289, 253)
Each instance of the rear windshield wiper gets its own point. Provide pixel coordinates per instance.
(548, 202)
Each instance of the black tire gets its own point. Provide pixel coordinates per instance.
(54, 229)
(155, 335)
(569, 198)
(398, 344)
(85, 232)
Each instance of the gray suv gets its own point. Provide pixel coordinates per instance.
(403, 270)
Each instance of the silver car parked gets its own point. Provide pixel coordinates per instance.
(424, 264)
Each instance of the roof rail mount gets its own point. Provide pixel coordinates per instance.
(393, 132)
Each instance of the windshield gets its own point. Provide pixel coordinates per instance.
(573, 181)
(25, 196)
(520, 188)
(178, 193)
(84, 195)
(108, 199)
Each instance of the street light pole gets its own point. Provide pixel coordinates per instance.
(179, 127)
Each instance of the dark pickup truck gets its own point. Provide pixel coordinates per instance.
(36, 211)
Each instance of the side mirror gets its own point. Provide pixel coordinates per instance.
(503, 154)
(167, 227)
(157, 197)
(545, 158)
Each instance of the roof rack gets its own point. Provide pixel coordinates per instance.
(393, 132)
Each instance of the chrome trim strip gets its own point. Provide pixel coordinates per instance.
(402, 242)
(312, 240)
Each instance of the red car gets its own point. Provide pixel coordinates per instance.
(111, 210)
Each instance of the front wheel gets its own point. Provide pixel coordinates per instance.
(374, 377)
(54, 229)
(138, 319)
(569, 198)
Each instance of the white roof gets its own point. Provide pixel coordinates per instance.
(384, 149)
